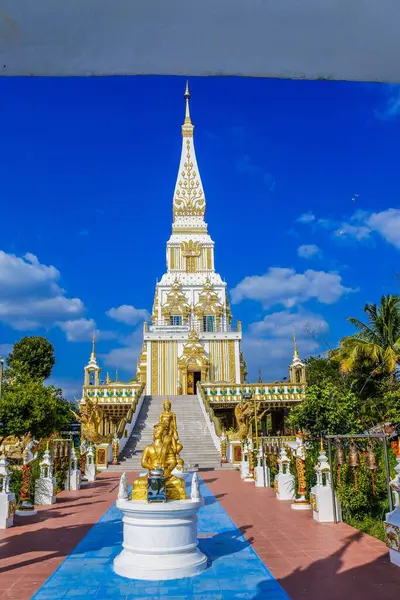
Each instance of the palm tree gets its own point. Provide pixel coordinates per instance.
(375, 344)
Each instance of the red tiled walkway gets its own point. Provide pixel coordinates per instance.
(311, 561)
(32, 549)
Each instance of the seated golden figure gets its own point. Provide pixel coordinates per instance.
(160, 454)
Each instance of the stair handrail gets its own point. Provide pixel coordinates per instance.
(213, 422)
(131, 417)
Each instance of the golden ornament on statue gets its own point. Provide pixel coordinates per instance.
(163, 454)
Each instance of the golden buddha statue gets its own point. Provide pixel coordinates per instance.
(161, 454)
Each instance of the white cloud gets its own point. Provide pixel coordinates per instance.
(286, 287)
(306, 218)
(391, 108)
(268, 345)
(361, 226)
(359, 232)
(78, 330)
(30, 296)
(274, 355)
(71, 388)
(308, 250)
(387, 224)
(126, 356)
(282, 324)
(128, 314)
(81, 330)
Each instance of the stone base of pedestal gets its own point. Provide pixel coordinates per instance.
(262, 476)
(26, 509)
(302, 505)
(74, 480)
(7, 509)
(44, 491)
(392, 531)
(284, 486)
(160, 540)
(321, 501)
(90, 473)
(244, 469)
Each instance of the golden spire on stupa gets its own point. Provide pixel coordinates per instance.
(187, 112)
(189, 200)
(93, 355)
(295, 352)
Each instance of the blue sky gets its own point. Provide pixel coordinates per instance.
(301, 182)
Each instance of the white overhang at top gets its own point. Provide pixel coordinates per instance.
(310, 39)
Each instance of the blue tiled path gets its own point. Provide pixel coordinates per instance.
(234, 571)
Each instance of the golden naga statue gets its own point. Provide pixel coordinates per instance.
(13, 446)
(90, 417)
(243, 410)
(163, 454)
(246, 413)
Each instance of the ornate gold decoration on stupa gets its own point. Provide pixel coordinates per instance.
(176, 302)
(163, 453)
(208, 303)
(189, 198)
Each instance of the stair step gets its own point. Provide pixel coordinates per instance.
(198, 446)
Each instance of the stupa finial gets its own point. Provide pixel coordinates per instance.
(93, 345)
(295, 351)
(187, 98)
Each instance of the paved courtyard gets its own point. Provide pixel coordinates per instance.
(257, 548)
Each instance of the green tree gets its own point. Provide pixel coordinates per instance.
(327, 408)
(376, 345)
(29, 405)
(319, 369)
(33, 357)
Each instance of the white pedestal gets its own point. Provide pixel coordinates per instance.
(284, 486)
(7, 509)
(45, 491)
(260, 476)
(322, 504)
(392, 530)
(74, 481)
(244, 469)
(90, 472)
(26, 509)
(160, 540)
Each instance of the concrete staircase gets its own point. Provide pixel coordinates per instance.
(198, 447)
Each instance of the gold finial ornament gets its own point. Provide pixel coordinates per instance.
(94, 344)
(295, 352)
(163, 453)
(187, 112)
